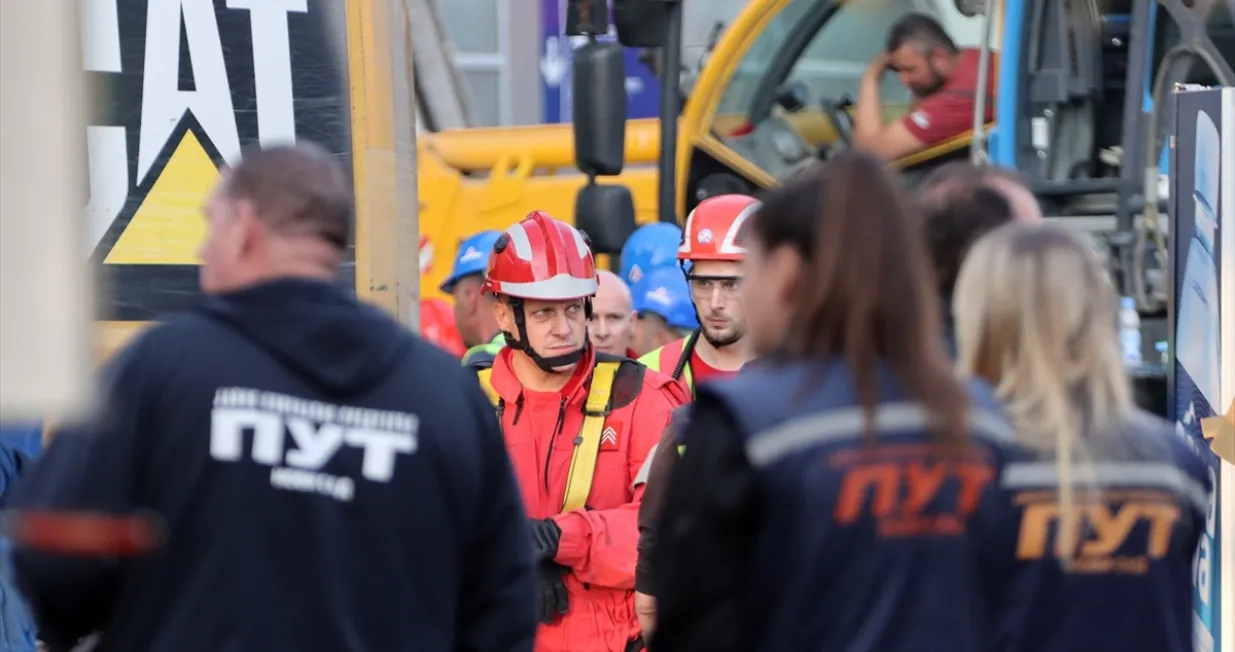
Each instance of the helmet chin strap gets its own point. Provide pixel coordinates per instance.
(549, 364)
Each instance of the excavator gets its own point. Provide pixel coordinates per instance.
(1081, 94)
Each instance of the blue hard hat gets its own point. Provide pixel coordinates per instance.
(663, 291)
(649, 247)
(472, 258)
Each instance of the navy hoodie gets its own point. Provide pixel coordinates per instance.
(1141, 503)
(786, 529)
(326, 481)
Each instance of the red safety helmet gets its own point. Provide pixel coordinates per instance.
(437, 325)
(541, 258)
(712, 229)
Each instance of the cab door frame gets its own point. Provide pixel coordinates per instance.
(696, 134)
(789, 53)
(697, 116)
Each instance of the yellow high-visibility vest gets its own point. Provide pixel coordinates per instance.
(666, 358)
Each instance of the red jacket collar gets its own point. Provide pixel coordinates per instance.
(508, 386)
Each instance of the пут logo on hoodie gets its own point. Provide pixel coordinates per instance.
(318, 431)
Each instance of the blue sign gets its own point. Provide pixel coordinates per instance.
(1197, 256)
(556, 53)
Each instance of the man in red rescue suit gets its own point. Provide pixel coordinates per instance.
(579, 426)
(711, 255)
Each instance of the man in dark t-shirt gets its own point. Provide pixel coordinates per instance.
(943, 79)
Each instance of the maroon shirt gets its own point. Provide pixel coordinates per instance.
(948, 112)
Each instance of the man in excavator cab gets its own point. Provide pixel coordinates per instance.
(942, 77)
(711, 254)
(578, 426)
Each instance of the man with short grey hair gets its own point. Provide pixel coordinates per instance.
(293, 205)
(282, 468)
(612, 327)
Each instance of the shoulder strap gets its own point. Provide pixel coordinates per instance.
(688, 350)
(485, 376)
(680, 362)
(587, 445)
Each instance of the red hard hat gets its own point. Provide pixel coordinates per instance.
(437, 325)
(541, 258)
(712, 229)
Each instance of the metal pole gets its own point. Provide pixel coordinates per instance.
(46, 299)
(384, 157)
(407, 191)
(978, 154)
(670, 102)
(1136, 156)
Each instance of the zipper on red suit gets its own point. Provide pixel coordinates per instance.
(561, 422)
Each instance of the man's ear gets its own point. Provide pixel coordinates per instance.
(505, 316)
(253, 231)
(466, 294)
(788, 265)
(939, 56)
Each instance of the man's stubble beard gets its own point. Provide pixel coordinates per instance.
(936, 84)
(726, 340)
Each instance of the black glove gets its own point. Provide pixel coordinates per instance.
(545, 537)
(551, 591)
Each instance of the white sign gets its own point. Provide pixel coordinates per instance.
(553, 65)
(163, 104)
(318, 431)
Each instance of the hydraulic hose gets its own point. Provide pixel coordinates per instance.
(687, 352)
(1149, 221)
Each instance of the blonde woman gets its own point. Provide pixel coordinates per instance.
(1108, 501)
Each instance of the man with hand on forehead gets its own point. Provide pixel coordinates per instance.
(943, 79)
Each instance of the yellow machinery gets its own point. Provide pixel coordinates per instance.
(471, 180)
(1073, 96)
(478, 179)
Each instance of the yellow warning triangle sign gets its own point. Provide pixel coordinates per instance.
(169, 226)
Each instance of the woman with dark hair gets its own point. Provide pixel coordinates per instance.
(835, 495)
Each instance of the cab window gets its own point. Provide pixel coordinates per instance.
(811, 52)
